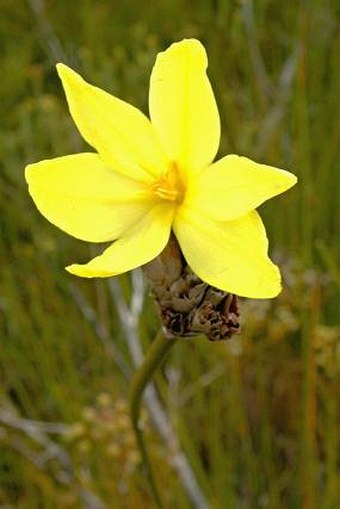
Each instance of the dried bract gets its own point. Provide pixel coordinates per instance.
(188, 306)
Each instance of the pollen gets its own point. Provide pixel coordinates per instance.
(170, 185)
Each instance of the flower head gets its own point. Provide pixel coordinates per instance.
(148, 177)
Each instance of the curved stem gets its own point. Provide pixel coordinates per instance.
(155, 355)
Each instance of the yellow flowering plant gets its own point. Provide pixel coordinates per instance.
(148, 177)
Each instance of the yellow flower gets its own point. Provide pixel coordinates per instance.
(148, 177)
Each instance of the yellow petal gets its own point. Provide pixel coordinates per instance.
(143, 242)
(230, 255)
(123, 136)
(235, 185)
(182, 105)
(82, 197)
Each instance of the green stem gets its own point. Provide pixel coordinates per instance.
(154, 357)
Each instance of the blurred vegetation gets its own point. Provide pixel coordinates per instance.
(258, 416)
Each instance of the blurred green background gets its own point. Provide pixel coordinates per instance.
(256, 417)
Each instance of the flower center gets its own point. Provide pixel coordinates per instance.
(170, 185)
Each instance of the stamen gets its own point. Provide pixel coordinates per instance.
(170, 186)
